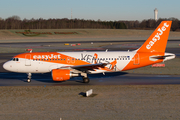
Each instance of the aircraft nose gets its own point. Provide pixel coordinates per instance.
(6, 66)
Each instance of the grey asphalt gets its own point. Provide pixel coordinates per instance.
(118, 78)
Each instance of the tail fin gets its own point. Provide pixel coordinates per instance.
(158, 39)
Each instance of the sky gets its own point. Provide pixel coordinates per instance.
(105, 10)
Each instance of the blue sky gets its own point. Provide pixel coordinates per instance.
(113, 10)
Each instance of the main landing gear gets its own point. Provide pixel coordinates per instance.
(29, 77)
(85, 80)
(83, 74)
(85, 77)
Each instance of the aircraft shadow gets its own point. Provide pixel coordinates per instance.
(100, 75)
(46, 77)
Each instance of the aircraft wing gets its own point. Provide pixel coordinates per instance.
(90, 66)
(86, 67)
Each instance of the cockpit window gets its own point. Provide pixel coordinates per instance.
(15, 59)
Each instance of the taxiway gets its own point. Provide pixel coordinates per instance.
(118, 78)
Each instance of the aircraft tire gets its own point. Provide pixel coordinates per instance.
(85, 80)
(29, 80)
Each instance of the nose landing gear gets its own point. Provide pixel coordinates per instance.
(29, 77)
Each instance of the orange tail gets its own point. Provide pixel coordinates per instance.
(158, 39)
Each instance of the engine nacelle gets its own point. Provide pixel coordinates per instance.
(60, 75)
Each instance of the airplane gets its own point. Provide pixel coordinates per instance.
(64, 65)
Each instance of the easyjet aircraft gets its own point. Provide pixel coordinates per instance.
(64, 65)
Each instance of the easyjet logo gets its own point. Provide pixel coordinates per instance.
(52, 56)
(157, 36)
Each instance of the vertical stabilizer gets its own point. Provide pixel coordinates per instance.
(158, 39)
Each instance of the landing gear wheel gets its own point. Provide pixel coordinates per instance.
(29, 77)
(85, 80)
(29, 80)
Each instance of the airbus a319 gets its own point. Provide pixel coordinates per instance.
(64, 65)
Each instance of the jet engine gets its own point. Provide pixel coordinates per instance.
(62, 74)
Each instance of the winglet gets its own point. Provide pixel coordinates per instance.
(158, 39)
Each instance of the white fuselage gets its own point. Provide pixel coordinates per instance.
(39, 65)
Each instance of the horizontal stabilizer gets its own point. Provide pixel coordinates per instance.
(161, 57)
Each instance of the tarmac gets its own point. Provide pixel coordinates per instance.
(117, 78)
(120, 95)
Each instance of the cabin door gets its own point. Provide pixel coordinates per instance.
(28, 60)
(136, 59)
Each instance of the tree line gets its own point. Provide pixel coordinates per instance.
(15, 22)
(152, 24)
